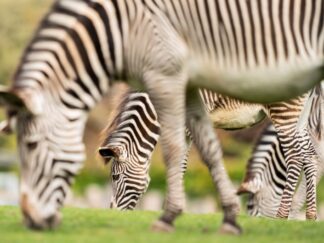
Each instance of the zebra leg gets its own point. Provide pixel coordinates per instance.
(169, 103)
(310, 175)
(313, 170)
(209, 147)
(299, 153)
(289, 121)
(300, 196)
(298, 200)
(293, 171)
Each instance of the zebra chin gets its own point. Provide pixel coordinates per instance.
(39, 217)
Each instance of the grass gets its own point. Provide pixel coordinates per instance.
(92, 225)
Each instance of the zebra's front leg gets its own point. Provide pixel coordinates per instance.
(293, 172)
(298, 200)
(169, 104)
(310, 175)
(210, 150)
(292, 147)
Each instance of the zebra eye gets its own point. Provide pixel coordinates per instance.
(115, 177)
(31, 145)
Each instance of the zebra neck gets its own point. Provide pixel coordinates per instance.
(77, 51)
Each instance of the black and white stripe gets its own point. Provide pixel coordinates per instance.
(260, 51)
(130, 140)
(266, 172)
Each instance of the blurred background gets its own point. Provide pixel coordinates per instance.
(91, 189)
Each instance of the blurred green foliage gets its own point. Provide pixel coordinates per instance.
(18, 22)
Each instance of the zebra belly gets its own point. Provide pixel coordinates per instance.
(259, 85)
(241, 117)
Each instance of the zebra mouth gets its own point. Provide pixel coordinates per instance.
(48, 223)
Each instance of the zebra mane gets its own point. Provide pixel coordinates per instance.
(119, 98)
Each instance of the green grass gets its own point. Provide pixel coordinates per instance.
(90, 225)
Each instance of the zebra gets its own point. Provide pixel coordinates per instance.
(258, 51)
(129, 143)
(129, 140)
(133, 134)
(266, 172)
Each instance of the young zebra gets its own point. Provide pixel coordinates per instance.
(250, 50)
(266, 173)
(129, 143)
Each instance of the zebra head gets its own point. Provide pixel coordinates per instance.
(129, 143)
(263, 196)
(264, 203)
(50, 150)
(129, 177)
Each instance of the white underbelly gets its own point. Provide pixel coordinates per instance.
(241, 117)
(259, 84)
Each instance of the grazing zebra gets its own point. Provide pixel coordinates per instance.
(260, 51)
(129, 142)
(133, 134)
(267, 170)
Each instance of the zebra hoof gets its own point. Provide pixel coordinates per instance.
(160, 226)
(281, 216)
(230, 229)
(311, 217)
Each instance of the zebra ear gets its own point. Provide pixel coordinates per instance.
(251, 186)
(243, 189)
(21, 99)
(10, 98)
(108, 153)
(6, 127)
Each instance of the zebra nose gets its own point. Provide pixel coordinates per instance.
(49, 222)
(33, 218)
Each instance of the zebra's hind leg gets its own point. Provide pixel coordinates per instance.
(168, 97)
(293, 171)
(205, 139)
